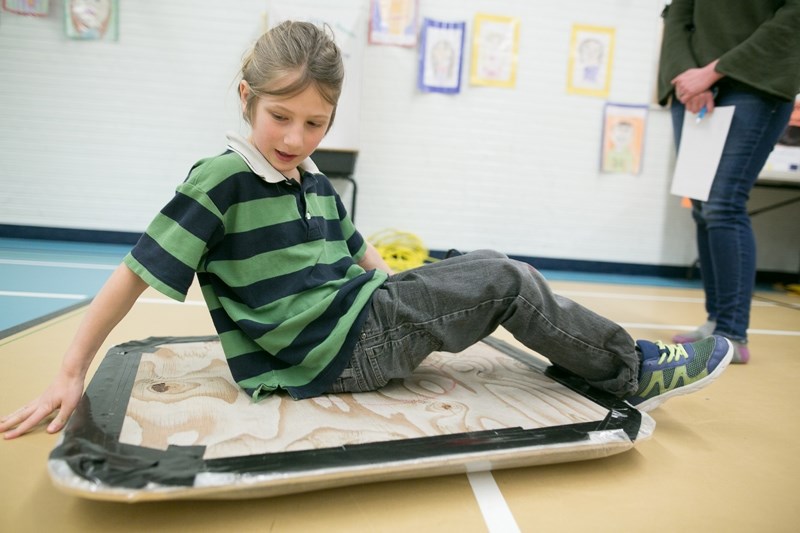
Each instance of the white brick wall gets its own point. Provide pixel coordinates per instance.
(96, 135)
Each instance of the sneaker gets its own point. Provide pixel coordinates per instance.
(741, 353)
(673, 369)
(700, 333)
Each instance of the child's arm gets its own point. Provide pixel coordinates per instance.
(110, 305)
(372, 260)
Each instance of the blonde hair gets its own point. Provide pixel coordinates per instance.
(289, 58)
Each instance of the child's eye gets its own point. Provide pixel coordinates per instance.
(315, 124)
(276, 116)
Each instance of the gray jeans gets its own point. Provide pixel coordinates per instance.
(452, 304)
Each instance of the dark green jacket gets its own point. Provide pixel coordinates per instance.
(757, 43)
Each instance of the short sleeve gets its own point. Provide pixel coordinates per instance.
(172, 248)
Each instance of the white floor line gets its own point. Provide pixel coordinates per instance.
(679, 327)
(493, 505)
(50, 295)
(57, 264)
(647, 297)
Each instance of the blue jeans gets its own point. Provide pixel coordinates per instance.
(725, 241)
(452, 304)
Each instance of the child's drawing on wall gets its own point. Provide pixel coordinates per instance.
(91, 19)
(494, 51)
(36, 8)
(623, 139)
(591, 54)
(441, 52)
(393, 22)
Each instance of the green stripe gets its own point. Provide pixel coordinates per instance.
(260, 213)
(236, 343)
(182, 244)
(246, 272)
(281, 337)
(324, 206)
(212, 171)
(199, 196)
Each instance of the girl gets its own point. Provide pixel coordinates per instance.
(302, 303)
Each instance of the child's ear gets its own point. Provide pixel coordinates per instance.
(244, 93)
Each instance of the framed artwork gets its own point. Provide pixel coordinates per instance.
(440, 56)
(393, 22)
(623, 138)
(36, 8)
(590, 59)
(92, 19)
(495, 43)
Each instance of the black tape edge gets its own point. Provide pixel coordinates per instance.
(91, 447)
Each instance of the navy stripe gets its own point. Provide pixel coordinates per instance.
(270, 290)
(243, 187)
(250, 243)
(248, 365)
(162, 264)
(256, 330)
(222, 322)
(194, 218)
(354, 243)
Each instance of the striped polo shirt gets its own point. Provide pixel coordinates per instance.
(277, 264)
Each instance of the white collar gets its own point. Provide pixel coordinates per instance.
(258, 163)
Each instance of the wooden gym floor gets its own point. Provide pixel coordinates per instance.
(724, 459)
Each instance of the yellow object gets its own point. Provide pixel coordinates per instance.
(401, 250)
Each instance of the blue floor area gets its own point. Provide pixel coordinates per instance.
(38, 278)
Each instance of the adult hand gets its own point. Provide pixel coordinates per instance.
(694, 81)
(61, 396)
(704, 99)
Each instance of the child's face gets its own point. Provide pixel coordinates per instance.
(286, 130)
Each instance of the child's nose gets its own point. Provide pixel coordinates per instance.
(294, 136)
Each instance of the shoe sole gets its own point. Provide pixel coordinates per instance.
(652, 403)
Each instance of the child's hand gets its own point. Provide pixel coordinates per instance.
(62, 396)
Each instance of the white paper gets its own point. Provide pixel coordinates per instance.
(701, 148)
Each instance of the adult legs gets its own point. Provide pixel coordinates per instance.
(725, 240)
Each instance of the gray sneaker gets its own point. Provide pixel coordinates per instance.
(700, 333)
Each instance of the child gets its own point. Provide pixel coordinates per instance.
(303, 304)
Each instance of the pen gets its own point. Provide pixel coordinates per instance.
(700, 115)
(704, 109)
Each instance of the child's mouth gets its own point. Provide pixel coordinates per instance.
(283, 156)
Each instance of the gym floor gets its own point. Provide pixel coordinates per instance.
(724, 459)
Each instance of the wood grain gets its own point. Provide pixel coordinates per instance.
(184, 394)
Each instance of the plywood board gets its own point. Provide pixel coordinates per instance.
(163, 419)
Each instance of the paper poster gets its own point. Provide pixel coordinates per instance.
(393, 22)
(440, 56)
(701, 149)
(36, 8)
(623, 138)
(590, 59)
(495, 43)
(92, 19)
